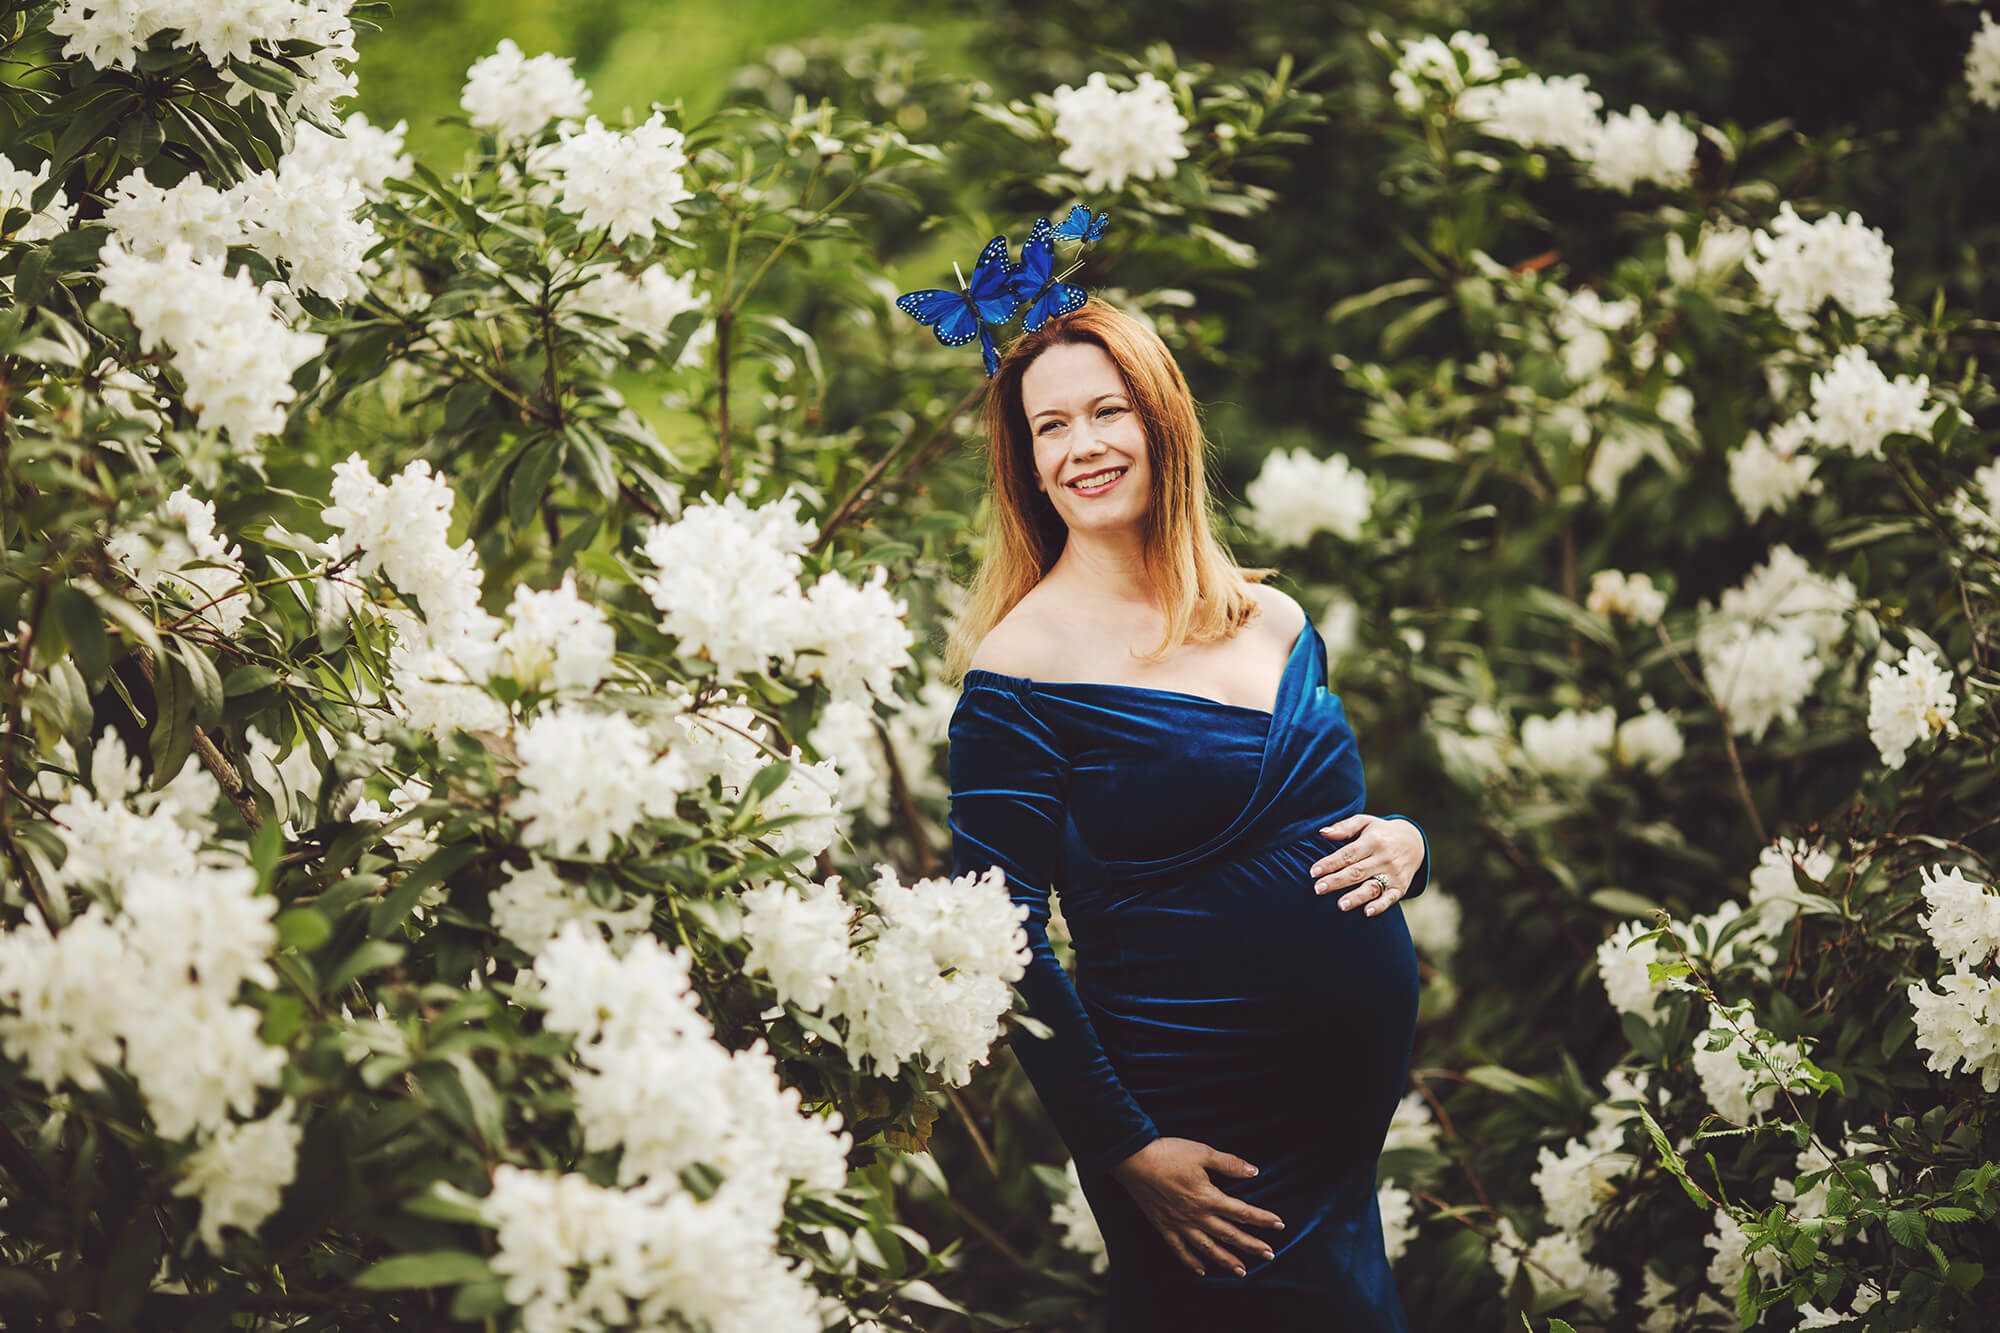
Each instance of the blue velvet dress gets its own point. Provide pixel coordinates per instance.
(1216, 996)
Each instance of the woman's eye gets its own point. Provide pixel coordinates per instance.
(1102, 411)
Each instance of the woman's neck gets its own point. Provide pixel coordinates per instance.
(1105, 567)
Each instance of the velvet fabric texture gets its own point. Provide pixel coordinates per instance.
(1216, 996)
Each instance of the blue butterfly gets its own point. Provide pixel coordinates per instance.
(959, 317)
(1035, 283)
(1079, 226)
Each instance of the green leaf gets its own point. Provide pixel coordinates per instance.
(1368, 300)
(302, 928)
(172, 736)
(372, 955)
(204, 681)
(83, 627)
(432, 1268)
(530, 484)
(1907, 1226)
(389, 913)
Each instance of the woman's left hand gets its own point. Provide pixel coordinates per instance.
(1392, 848)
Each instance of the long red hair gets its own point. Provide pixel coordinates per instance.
(1198, 583)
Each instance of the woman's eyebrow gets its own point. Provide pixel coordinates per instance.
(1056, 411)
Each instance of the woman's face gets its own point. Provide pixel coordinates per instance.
(1081, 420)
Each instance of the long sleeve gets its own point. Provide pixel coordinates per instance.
(1422, 879)
(1007, 788)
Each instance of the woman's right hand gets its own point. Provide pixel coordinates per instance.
(1169, 1179)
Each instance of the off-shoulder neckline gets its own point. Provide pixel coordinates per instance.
(1305, 631)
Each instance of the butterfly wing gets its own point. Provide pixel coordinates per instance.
(947, 314)
(991, 290)
(1059, 298)
(987, 352)
(1038, 258)
(1080, 226)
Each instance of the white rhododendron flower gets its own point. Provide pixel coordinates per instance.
(846, 730)
(1574, 745)
(1296, 495)
(1578, 1182)
(1800, 265)
(627, 182)
(646, 303)
(1650, 740)
(1412, 1125)
(1632, 147)
(1622, 967)
(1076, 1226)
(935, 982)
(1435, 61)
(368, 155)
(1725, 1270)
(1959, 1023)
(180, 549)
(1556, 1260)
(231, 348)
(1399, 1225)
(1767, 472)
(1908, 702)
(535, 903)
(1537, 112)
(1737, 1093)
(239, 1175)
(17, 189)
(1632, 597)
(1964, 917)
(1112, 136)
(1761, 649)
(798, 938)
(114, 35)
(1855, 406)
(1774, 892)
(556, 640)
(1982, 64)
(587, 778)
(727, 580)
(515, 95)
(1434, 918)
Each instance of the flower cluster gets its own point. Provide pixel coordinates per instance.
(932, 981)
(1908, 702)
(234, 352)
(1112, 136)
(1296, 495)
(515, 95)
(653, 1084)
(113, 36)
(180, 550)
(1960, 1022)
(727, 587)
(151, 986)
(627, 182)
(1761, 649)
(1800, 265)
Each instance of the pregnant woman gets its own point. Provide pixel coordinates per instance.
(1146, 729)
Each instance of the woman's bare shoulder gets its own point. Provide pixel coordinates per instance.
(1282, 614)
(1024, 642)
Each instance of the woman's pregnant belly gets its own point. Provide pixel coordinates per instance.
(1244, 1010)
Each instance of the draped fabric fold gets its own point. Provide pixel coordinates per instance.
(1216, 997)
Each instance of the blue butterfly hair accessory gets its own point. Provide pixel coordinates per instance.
(1001, 287)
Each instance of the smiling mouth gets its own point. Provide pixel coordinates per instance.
(1097, 481)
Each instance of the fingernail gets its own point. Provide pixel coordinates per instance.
(1269, 1255)
(1239, 1270)
(1279, 1225)
(1253, 1170)
(1201, 1272)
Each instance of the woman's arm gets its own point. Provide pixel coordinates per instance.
(1007, 784)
